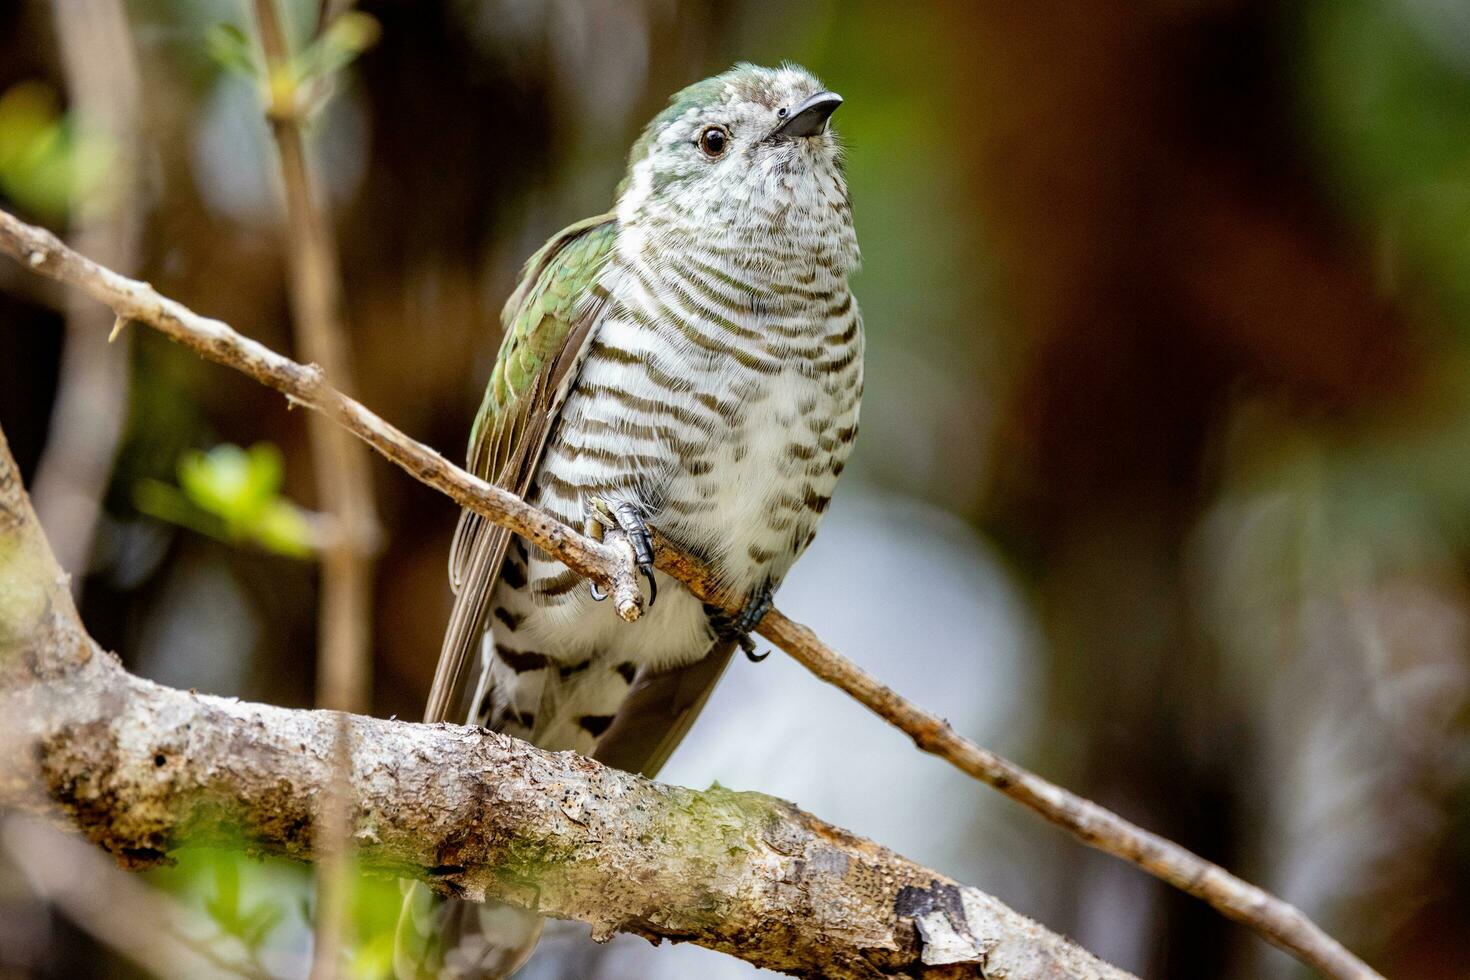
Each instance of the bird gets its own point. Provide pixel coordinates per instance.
(691, 361)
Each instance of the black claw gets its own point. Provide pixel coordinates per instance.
(597, 594)
(643, 551)
(747, 646)
(738, 628)
(632, 524)
(647, 571)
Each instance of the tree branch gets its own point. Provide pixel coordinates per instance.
(1276, 920)
(143, 769)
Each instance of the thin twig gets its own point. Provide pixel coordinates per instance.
(1276, 920)
(305, 384)
(343, 477)
(339, 461)
(92, 392)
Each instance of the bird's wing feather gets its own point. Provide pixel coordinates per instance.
(547, 322)
(658, 710)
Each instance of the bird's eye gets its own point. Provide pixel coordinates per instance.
(782, 112)
(713, 141)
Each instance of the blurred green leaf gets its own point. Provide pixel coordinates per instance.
(230, 48)
(245, 900)
(373, 958)
(232, 482)
(36, 149)
(284, 529)
(375, 905)
(223, 905)
(47, 164)
(167, 503)
(256, 925)
(266, 906)
(232, 494)
(340, 44)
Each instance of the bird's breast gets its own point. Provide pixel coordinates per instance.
(723, 406)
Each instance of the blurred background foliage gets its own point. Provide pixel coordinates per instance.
(1165, 463)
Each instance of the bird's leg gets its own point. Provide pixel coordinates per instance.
(622, 516)
(740, 626)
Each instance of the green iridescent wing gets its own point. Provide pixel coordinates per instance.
(546, 322)
(553, 297)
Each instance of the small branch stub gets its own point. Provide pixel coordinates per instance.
(627, 599)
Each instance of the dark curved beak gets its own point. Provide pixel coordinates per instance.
(809, 118)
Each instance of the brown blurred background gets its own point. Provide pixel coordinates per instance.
(1168, 379)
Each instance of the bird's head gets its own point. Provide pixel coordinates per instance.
(746, 153)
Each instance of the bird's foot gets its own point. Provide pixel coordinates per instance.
(622, 516)
(741, 625)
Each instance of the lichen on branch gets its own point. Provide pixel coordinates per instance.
(143, 770)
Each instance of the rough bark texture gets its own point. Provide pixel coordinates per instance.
(612, 566)
(142, 769)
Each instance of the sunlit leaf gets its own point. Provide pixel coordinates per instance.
(235, 483)
(285, 529)
(232, 494)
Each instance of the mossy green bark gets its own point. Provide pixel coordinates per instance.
(27, 579)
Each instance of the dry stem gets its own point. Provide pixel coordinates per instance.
(92, 394)
(343, 478)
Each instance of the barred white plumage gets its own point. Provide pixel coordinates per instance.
(719, 395)
(714, 391)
